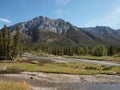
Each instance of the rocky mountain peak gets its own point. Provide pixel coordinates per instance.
(45, 24)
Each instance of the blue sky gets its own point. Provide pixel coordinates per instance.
(81, 13)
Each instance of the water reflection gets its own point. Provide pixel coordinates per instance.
(99, 87)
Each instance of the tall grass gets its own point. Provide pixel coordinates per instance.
(14, 86)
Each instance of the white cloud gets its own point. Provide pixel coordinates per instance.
(5, 20)
(62, 2)
(61, 12)
(111, 19)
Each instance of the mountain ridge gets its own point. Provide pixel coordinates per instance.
(69, 33)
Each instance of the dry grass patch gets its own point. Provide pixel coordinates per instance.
(14, 86)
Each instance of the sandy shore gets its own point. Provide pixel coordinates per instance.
(50, 81)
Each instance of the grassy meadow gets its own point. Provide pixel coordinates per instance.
(59, 67)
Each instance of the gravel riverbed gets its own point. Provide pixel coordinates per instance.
(51, 81)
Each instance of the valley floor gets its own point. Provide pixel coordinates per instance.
(41, 73)
(50, 81)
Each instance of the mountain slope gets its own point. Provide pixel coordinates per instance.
(106, 32)
(59, 32)
(46, 24)
(118, 32)
(108, 35)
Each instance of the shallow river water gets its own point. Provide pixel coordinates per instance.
(94, 87)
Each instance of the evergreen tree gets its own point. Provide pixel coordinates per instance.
(93, 51)
(5, 41)
(86, 50)
(17, 43)
(110, 51)
(80, 51)
(1, 46)
(100, 50)
(10, 45)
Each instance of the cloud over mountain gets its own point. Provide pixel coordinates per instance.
(5, 20)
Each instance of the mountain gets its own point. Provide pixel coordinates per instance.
(118, 32)
(107, 34)
(44, 24)
(59, 32)
(45, 30)
(104, 31)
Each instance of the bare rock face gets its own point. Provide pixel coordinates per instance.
(45, 24)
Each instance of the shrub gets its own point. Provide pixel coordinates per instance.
(35, 62)
(106, 67)
(91, 67)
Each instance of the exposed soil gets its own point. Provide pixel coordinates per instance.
(62, 59)
(51, 81)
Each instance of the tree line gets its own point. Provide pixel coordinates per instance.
(9, 43)
(99, 50)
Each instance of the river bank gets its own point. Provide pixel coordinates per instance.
(51, 81)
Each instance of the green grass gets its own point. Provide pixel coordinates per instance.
(55, 67)
(101, 58)
(14, 86)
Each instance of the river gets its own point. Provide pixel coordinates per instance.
(95, 87)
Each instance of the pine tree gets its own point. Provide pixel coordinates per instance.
(86, 50)
(10, 45)
(5, 41)
(1, 46)
(17, 41)
(100, 50)
(110, 51)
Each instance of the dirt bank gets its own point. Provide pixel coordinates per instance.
(50, 81)
(62, 59)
